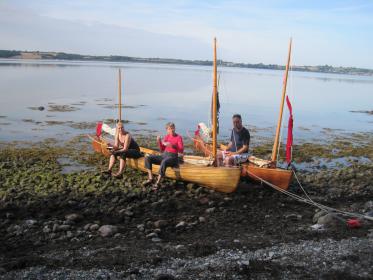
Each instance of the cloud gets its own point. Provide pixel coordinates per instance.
(44, 33)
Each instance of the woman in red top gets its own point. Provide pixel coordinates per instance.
(171, 146)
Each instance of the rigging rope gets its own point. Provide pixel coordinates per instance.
(308, 200)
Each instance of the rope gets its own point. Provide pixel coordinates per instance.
(308, 200)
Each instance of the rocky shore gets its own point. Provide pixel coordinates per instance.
(60, 218)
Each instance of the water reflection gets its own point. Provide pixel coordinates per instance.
(154, 94)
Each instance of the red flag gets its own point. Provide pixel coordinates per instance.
(197, 131)
(289, 142)
(99, 129)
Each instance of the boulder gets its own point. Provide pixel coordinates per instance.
(318, 214)
(328, 220)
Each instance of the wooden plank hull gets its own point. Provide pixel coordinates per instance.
(276, 176)
(222, 179)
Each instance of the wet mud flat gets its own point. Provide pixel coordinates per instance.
(58, 223)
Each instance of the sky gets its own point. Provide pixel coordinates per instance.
(333, 32)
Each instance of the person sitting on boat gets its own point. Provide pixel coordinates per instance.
(237, 150)
(124, 147)
(171, 146)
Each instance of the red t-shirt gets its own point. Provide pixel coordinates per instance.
(176, 141)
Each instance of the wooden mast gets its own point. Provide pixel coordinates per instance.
(214, 105)
(120, 95)
(277, 138)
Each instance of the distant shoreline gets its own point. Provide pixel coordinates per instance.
(26, 55)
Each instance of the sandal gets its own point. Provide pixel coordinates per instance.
(147, 182)
(106, 172)
(117, 176)
(155, 187)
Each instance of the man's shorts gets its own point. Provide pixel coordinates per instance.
(238, 158)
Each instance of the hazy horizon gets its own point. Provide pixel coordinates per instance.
(86, 54)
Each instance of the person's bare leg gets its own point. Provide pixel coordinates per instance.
(228, 161)
(122, 165)
(158, 180)
(150, 175)
(157, 183)
(219, 158)
(111, 162)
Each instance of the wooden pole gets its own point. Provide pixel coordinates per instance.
(277, 137)
(120, 95)
(214, 105)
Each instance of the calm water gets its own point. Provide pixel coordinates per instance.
(159, 93)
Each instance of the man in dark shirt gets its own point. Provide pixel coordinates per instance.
(237, 150)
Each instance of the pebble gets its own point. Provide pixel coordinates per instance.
(210, 210)
(141, 227)
(94, 227)
(318, 227)
(204, 200)
(190, 187)
(160, 223)
(293, 217)
(107, 230)
(9, 215)
(55, 227)
(73, 217)
(368, 205)
(199, 190)
(180, 224)
(177, 193)
(87, 226)
(370, 213)
(64, 227)
(202, 219)
(128, 213)
(151, 235)
(46, 229)
(30, 223)
(156, 239)
(179, 247)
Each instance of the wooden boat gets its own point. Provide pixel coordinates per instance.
(195, 169)
(258, 169)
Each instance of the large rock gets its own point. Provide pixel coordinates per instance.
(107, 230)
(318, 215)
(328, 220)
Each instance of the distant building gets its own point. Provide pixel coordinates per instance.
(30, 55)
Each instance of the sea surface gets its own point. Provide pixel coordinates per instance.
(154, 94)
